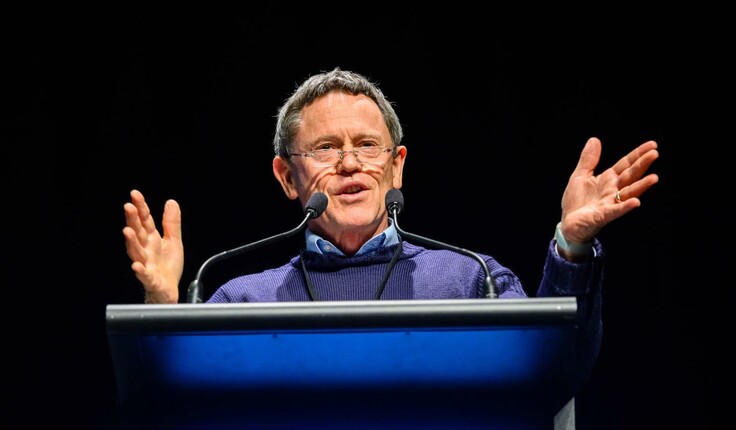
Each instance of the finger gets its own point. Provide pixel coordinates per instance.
(133, 221)
(631, 183)
(643, 150)
(638, 188)
(142, 273)
(619, 209)
(144, 212)
(639, 167)
(133, 247)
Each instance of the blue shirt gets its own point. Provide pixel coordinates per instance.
(321, 246)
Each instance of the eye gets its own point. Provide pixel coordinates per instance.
(322, 147)
(368, 144)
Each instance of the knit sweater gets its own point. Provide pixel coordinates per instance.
(424, 274)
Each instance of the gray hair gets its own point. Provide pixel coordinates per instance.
(289, 117)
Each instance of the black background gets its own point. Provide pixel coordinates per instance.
(495, 108)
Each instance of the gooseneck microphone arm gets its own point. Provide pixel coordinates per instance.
(394, 205)
(315, 206)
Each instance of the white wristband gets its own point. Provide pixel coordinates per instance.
(573, 248)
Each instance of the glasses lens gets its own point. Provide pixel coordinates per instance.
(326, 157)
(364, 154)
(373, 154)
(369, 151)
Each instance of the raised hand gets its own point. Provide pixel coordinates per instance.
(157, 260)
(591, 201)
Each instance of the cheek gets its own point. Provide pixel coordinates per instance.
(389, 178)
(308, 181)
(382, 175)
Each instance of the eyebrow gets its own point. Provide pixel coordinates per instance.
(334, 138)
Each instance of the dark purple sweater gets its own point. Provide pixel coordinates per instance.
(425, 274)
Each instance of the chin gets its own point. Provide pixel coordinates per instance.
(356, 221)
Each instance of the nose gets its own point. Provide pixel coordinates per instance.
(349, 163)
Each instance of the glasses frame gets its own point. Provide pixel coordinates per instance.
(341, 153)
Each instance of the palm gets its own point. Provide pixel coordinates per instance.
(589, 202)
(157, 260)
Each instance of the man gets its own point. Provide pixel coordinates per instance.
(338, 134)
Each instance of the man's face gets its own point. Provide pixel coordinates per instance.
(356, 189)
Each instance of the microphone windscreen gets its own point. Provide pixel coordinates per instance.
(317, 204)
(395, 199)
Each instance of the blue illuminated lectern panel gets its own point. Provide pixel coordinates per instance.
(329, 362)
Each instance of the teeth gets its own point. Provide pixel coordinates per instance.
(352, 190)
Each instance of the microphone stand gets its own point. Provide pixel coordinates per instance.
(489, 286)
(314, 208)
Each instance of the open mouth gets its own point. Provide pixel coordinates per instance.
(352, 189)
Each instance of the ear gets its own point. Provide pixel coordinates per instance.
(282, 170)
(398, 166)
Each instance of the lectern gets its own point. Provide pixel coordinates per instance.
(434, 364)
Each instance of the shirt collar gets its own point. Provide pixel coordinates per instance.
(386, 238)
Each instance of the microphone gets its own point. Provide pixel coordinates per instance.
(316, 204)
(394, 205)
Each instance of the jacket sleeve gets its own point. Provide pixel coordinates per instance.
(585, 282)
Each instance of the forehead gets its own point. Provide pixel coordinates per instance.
(338, 114)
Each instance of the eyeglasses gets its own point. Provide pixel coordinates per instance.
(328, 157)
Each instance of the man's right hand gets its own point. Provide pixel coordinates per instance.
(157, 261)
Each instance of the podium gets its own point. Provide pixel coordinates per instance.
(444, 364)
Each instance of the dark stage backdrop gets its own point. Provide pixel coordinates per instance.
(496, 110)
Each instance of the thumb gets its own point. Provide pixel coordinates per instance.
(172, 220)
(589, 157)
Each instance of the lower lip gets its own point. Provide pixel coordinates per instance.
(352, 197)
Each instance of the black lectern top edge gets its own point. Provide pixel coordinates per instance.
(446, 314)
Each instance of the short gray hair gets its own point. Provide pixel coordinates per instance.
(289, 117)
